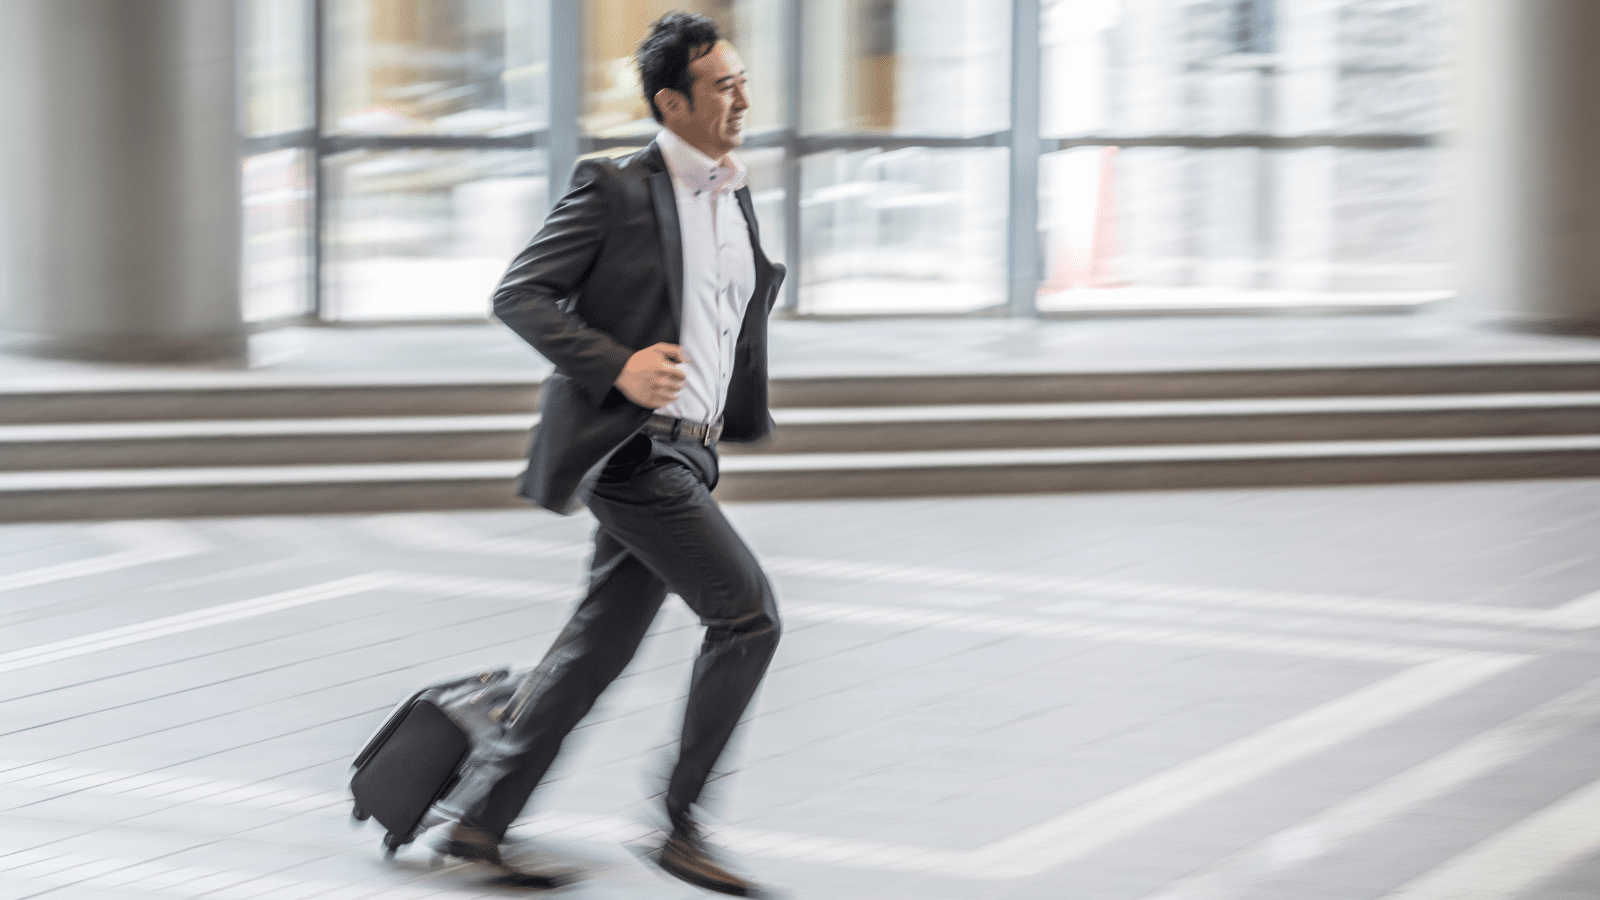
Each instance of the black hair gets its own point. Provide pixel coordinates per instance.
(675, 40)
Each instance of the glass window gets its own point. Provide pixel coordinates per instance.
(436, 66)
(765, 167)
(912, 230)
(1074, 63)
(1175, 228)
(276, 260)
(614, 104)
(426, 233)
(1182, 227)
(911, 67)
(1281, 149)
(277, 66)
(1136, 67)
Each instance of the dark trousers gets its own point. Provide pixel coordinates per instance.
(659, 531)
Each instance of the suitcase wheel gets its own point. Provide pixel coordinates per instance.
(359, 815)
(391, 843)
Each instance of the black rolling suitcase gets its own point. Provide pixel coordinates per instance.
(416, 757)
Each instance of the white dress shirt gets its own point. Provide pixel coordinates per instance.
(718, 274)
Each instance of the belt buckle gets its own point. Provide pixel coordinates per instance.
(713, 431)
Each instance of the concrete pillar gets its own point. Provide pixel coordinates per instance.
(1529, 183)
(119, 179)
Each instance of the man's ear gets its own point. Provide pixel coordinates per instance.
(669, 101)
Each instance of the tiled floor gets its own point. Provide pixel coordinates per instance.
(1290, 694)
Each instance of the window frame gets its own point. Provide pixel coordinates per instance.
(564, 142)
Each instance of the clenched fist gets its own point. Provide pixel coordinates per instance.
(652, 378)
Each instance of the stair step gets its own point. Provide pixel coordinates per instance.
(389, 439)
(249, 476)
(957, 427)
(257, 395)
(247, 442)
(243, 395)
(1173, 466)
(1331, 378)
(259, 490)
(255, 490)
(1130, 409)
(1071, 455)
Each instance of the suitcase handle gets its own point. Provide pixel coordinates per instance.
(518, 704)
(512, 711)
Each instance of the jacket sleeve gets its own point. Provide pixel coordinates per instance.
(532, 294)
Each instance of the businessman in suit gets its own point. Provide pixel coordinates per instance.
(648, 290)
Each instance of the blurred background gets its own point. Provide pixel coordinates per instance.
(1126, 551)
(1174, 155)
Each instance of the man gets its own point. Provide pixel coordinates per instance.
(648, 290)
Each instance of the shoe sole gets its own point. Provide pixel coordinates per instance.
(508, 876)
(689, 876)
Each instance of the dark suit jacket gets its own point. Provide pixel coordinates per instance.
(602, 279)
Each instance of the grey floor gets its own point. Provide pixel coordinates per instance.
(1292, 694)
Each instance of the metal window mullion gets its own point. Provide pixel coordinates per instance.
(1266, 242)
(794, 92)
(566, 94)
(316, 150)
(256, 145)
(1257, 141)
(851, 143)
(1022, 283)
(345, 143)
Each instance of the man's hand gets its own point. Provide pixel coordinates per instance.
(652, 378)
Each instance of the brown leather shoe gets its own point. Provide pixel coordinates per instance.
(686, 857)
(476, 845)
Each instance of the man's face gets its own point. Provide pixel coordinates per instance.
(716, 123)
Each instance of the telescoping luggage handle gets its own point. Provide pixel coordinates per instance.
(518, 704)
(519, 701)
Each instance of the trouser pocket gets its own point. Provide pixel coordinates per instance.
(626, 460)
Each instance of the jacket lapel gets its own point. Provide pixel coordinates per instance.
(666, 204)
(749, 209)
(764, 267)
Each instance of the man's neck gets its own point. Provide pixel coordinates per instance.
(720, 159)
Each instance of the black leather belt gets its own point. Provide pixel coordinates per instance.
(706, 434)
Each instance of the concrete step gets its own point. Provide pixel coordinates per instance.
(1307, 379)
(255, 490)
(390, 439)
(1181, 466)
(245, 395)
(263, 442)
(251, 395)
(135, 493)
(1021, 425)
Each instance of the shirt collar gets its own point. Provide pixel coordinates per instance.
(696, 170)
